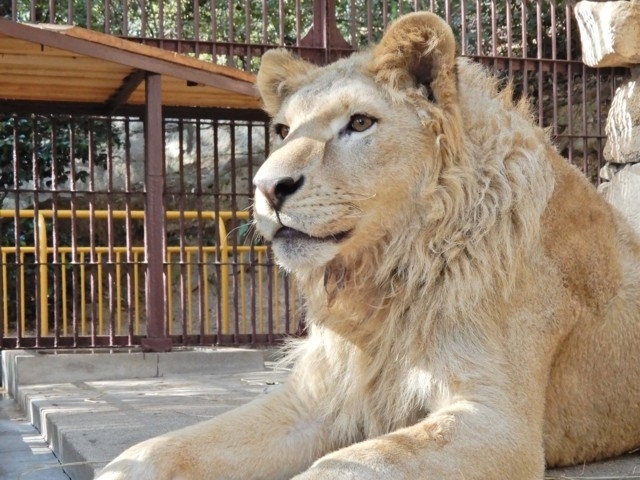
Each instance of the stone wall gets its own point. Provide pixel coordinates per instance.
(610, 34)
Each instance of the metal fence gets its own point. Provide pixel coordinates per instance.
(71, 187)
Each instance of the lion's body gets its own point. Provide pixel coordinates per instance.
(473, 304)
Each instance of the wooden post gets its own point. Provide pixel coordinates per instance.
(154, 219)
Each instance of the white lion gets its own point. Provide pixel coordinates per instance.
(473, 305)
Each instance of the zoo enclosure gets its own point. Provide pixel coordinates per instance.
(71, 162)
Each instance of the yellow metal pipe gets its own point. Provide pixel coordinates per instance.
(205, 271)
(118, 294)
(136, 296)
(243, 297)
(64, 296)
(100, 308)
(83, 297)
(23, 315)
(5, 294)
(169, 293)
(44, 251)
(188, 294)
(260, 294)
(44, 280)
(224, 274)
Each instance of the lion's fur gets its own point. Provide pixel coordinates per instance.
(482, 315)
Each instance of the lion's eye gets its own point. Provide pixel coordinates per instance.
(360, 123)
(282, 130)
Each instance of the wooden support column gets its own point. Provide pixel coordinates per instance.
(324, 36)
(154, 219)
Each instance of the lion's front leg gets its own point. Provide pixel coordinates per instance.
(465, 441)
(274, 437)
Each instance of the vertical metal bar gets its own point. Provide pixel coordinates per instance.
(539, 58)
(224, 277)
(16, 231)
(202, 279)
(509, 22)
(196, 26)
(479, 46)
(93, 278)
(125, 18)
(251, 264)
(88, 13)
(570, 83)
(231, 33)
(161, 33)
(352, 23)
(154, 219)
(179, 20)
(74, 260)
(40, 254)
(525, 52)
(184, 290)
(270, 294)
(385, 13)
(494, 35)
(599, 129)
(247, 34)
(112, 279)
(369, 21)
(234, 227)
(585, 140)
(4, 308)
(131, 267)
(463, 27)
(214, 29)
(107, 16)
(265, 23)
(219, 234)
(70, 12)
(55, 227)
(280, 23)
(554, 63)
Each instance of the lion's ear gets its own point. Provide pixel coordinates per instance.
(280, 73)
(418, 49)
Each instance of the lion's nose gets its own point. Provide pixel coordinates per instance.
(276, 190)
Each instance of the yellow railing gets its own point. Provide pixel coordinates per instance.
(119, 255)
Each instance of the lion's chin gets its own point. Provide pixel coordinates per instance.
(297, 251)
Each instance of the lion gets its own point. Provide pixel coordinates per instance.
(473, 305)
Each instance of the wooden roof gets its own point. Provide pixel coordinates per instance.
(68, 64)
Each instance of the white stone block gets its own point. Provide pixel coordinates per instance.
(610, 32)
(623, 125)
(623, 192)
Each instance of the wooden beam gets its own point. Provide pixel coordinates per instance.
(120, 97)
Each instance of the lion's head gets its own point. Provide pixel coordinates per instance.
(356, 140)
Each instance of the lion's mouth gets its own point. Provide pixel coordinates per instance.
(290, 234)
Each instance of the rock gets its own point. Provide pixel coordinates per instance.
(623, 192)
(623, 124)
(609, 170)
(610, 32)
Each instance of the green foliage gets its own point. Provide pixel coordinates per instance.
(44, 148)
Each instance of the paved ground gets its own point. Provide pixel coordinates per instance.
(25, 454)
(89, 422)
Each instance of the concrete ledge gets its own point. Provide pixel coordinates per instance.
(25, 367)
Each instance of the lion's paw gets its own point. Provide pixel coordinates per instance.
(154, 459)
(334, 469)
